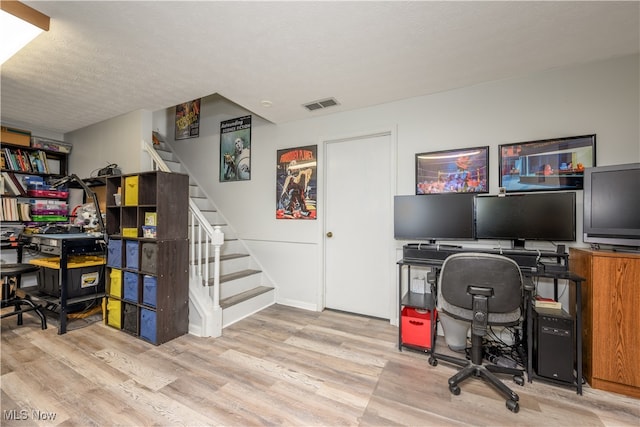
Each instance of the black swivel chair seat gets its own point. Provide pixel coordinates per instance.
(485, 290)
(9, 296)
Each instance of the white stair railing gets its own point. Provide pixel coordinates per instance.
(203, 236)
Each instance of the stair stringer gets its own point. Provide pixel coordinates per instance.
(205, 320)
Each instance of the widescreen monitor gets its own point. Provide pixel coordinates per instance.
(521, 217)
(434, 217)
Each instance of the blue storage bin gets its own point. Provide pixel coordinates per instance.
(132, 254)
(130, 286)
(149, 286)
(148, 325)
(114, 254)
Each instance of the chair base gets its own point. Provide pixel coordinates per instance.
(17, 304)
(487, 373)
(11, 280)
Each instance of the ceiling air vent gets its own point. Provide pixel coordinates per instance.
(324, 103)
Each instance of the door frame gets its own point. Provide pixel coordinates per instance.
(392, 133)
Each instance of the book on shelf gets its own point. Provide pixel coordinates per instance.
(24, 211)
(13, 185)
(18, 160)
(25, 164)
(41, 161)
(9, 160)
(542, 302)
(10, 209)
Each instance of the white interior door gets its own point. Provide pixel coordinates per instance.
(359, 262)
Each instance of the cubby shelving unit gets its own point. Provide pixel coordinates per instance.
(147, 277)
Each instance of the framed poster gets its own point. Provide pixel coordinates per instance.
(235, 149)
(188, 120)
(453, 171)
(296, 189)
(544, 165)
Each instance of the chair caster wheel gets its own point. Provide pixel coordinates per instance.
(518, 379)
(454, 389)
(513, 406)
(433, 361)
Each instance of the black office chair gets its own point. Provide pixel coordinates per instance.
(10, 298)
(486, 290)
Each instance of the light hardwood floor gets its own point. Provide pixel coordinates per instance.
(282, 366)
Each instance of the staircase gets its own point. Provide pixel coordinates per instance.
(224, 287)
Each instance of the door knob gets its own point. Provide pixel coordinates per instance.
(329, 234)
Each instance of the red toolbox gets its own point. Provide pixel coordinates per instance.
(416, 327)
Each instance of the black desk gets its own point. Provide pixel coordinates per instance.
(533, 264)
(63, 245)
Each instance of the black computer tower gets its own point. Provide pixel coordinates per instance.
(553, 344)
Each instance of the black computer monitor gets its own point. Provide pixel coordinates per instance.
(434, 217)
(522, 217)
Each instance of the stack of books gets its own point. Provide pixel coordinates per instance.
(542, 302)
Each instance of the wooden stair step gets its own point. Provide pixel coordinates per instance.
(223, 257)
(236, 275)
(244, 296)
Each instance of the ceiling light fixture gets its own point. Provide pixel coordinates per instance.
(19, 24)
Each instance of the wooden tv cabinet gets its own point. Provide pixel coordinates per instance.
(610, 318)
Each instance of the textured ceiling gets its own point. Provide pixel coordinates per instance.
(103, 59)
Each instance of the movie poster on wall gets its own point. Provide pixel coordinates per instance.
(235, 149)
(188, 120)
(296, 189)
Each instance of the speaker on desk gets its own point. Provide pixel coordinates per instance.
(553, 348)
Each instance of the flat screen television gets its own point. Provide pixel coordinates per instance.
(611, 202)
(546, 165)
(521, 217)
(434, 217)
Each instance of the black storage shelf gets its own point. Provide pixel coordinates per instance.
(20, 173)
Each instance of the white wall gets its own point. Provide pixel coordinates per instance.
(600, 98)
(117, 140)
(250, 206)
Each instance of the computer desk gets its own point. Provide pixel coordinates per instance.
(63, 245)
(533, 264)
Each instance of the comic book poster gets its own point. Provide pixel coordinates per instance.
(235, 149)
(188, 120)
(296, 189)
